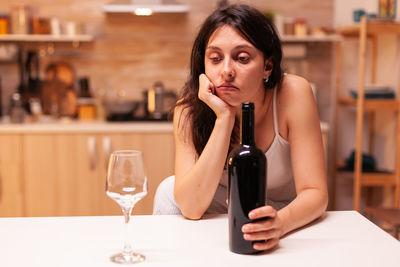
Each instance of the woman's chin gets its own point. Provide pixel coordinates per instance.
(229, 99)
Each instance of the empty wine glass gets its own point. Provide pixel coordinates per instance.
(126, 184)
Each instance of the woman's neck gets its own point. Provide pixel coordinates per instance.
(262, 107)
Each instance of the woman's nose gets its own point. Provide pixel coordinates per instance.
(228, 72)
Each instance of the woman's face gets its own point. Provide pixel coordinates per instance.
(235, 67)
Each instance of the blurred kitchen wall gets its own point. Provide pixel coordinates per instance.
(131, 52)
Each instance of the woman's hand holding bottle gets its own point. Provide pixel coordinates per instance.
(268, 229)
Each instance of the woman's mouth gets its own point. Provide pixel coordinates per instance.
(227, 87)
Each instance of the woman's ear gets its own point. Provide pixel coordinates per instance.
(268, 66)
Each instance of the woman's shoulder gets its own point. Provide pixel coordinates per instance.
(181, 110)
(293, 84)
(181, 117)
(294, 89)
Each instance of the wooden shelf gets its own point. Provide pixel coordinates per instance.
(373, 28)
(374, 178)
(372, 104)
(363, 31)
(378, 179)
(48, 38)
(310, 38)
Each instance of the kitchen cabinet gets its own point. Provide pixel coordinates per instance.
(65, 174)
(58, 177)
(158, 157)
(11, 193)
(60, 170)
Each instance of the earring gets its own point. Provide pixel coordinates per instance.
(266, 79)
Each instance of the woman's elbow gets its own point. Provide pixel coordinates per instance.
(324, 200)
(189, 211)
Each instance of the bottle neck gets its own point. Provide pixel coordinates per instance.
(247, 124)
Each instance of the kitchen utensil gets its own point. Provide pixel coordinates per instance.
(33, 69)
(17, 112)
(61, 71)
(84, 87)
(121, 108)
(58, 95)
(30, 84)
(158, 101)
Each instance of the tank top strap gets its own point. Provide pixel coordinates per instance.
(275, 113)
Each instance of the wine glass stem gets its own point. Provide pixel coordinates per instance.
(127, 247)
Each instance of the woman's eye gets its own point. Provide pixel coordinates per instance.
(243, 59)
(215, 59)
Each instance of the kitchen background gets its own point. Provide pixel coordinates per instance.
(129, 53)
(132, 52)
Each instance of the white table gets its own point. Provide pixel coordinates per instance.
(338, 239)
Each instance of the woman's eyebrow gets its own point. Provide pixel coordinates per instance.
(244, 46)
(211, 47)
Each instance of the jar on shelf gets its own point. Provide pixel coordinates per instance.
(288, 26)
(20, 15)
(40, 25)
(300, 27)
(4, 23)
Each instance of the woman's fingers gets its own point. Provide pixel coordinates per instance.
(262, 236)
(268, 244)
(266, 229)
(205, 86)
(262, 212)
(208, 96)
(258, 226)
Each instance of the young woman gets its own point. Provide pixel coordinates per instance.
(236, 58)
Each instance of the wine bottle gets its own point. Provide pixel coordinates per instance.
(247, 179)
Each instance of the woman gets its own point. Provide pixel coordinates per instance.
(236, 58)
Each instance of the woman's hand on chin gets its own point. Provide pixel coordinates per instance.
(207, 95)
(267, 230)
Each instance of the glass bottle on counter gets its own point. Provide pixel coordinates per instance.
(247, 180)
(86, 103)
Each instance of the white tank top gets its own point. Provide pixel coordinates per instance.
(280, 189)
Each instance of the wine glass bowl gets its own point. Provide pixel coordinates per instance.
(126, 184)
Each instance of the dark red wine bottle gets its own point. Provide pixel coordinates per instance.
(247, 167)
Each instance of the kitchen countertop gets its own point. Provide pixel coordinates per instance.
(74, 126)
(86, 127)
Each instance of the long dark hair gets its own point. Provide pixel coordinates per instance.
(259, 31)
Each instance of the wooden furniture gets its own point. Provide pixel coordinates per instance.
(388, 215)
(11, 193)
(363, 32)
(342, 238)
(60, 169)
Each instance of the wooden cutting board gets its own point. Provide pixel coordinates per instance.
(58, 95)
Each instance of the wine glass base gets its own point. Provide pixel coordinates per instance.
(132, 258)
